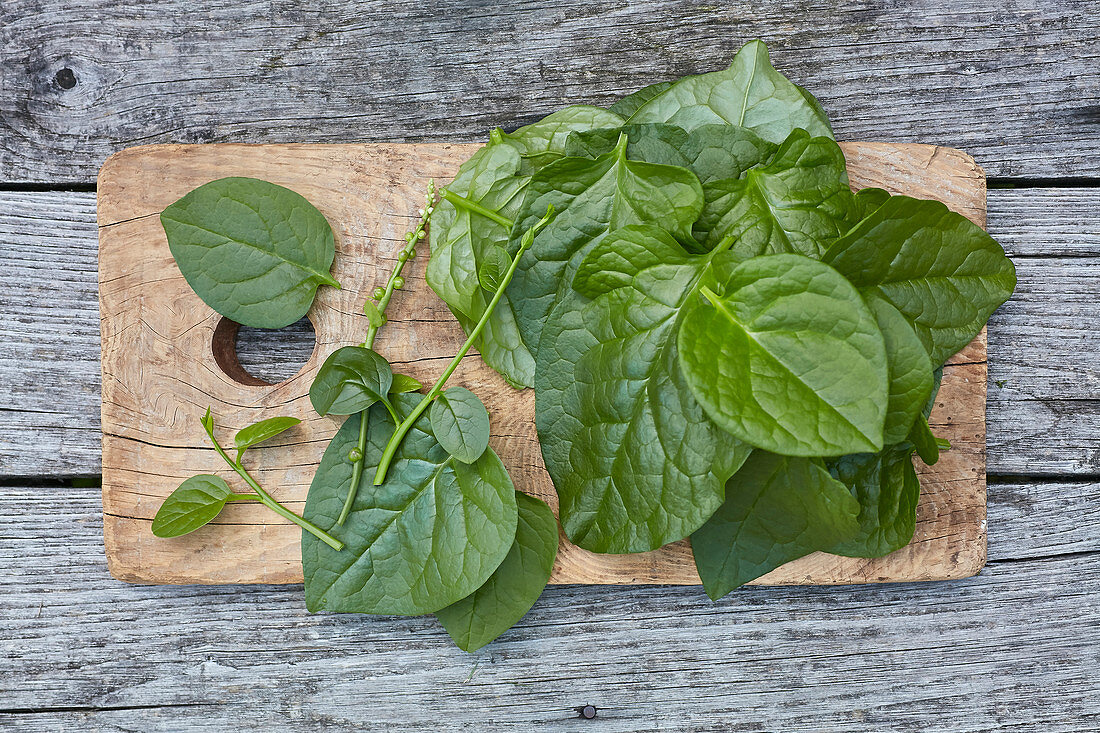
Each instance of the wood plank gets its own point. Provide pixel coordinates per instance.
(1014, 648)
(161, 369)
(1015, 84)
(1043, 371)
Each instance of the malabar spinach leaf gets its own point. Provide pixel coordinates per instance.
(460, 423)
(513, 587)
(429, 536)
(260, 431)
(352, 379)
(927, 447)
(750, 93)
(194, 504)
(591, 198)
(404, 383)
(253, 251)
(908, 367)
(799, 202)
(629, 104)
(887, 488)
(635, 460)
(777, 509)
(787, 358)
(942, 271)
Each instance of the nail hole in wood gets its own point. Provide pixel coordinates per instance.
(258, 357)
(65, 78)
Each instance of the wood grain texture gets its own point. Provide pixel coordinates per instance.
(1044, 371)
(997, 652)
(1016, 84)
(160, 371)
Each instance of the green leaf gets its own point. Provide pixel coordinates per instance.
(492, 268)
(543, 142)
(352, 379)
(750, 93)
(374, 316)
(798, 202)
(404, 383)
(908, 368)
(429, 536)
(460, 423)
(253, 251)
(788, 359)
(261, 431)
(887, 488)
(514, 587)
(635, 460)
(629, 104)
(928, 448)
(777, 509)
(942, 271)
(195, 503)
(591, 198)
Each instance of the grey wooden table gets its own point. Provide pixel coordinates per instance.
(1014, 83)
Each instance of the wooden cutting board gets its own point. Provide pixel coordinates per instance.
(167, 356)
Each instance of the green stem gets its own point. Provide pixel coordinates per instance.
(407, 253)
(243, 497)
(402, 430)
(356, 470)
(269, 501)
(462, 202)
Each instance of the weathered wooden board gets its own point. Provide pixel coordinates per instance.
(1014, 649)
(1015, 84)
(1043, 373)
(160, 369)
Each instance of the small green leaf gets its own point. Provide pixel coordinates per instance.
(207, 421)
(789, 359)
(887, 488)
(374, 316)
(352, 379)
(195, 503)
(494, 264)
(629, 104)
(261, 431)
(513, 587)
(253, 251)
(430, 535)
(777, 509)
(404, 383)
(461, 424)
(928, 447)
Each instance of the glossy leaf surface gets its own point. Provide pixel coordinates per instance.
(352, 379)
(430, 535)
(263, 430)
(460, 423)
(253, 251)
(196, 502)
(514, 587)
(777, 509)
(788, 359)
(887, 488)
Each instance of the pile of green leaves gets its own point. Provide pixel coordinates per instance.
(724, 340)
(442, 530)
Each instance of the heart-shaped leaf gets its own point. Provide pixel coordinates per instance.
(253, 251)
(430, 535)
(777, 509)
(750, 93)
(514, 587)
(942, 271)
(195, 503)
(788, 358)
(352, 379)
(495, 262)
(460, 423)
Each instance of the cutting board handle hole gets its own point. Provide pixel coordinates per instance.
(258, 357)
